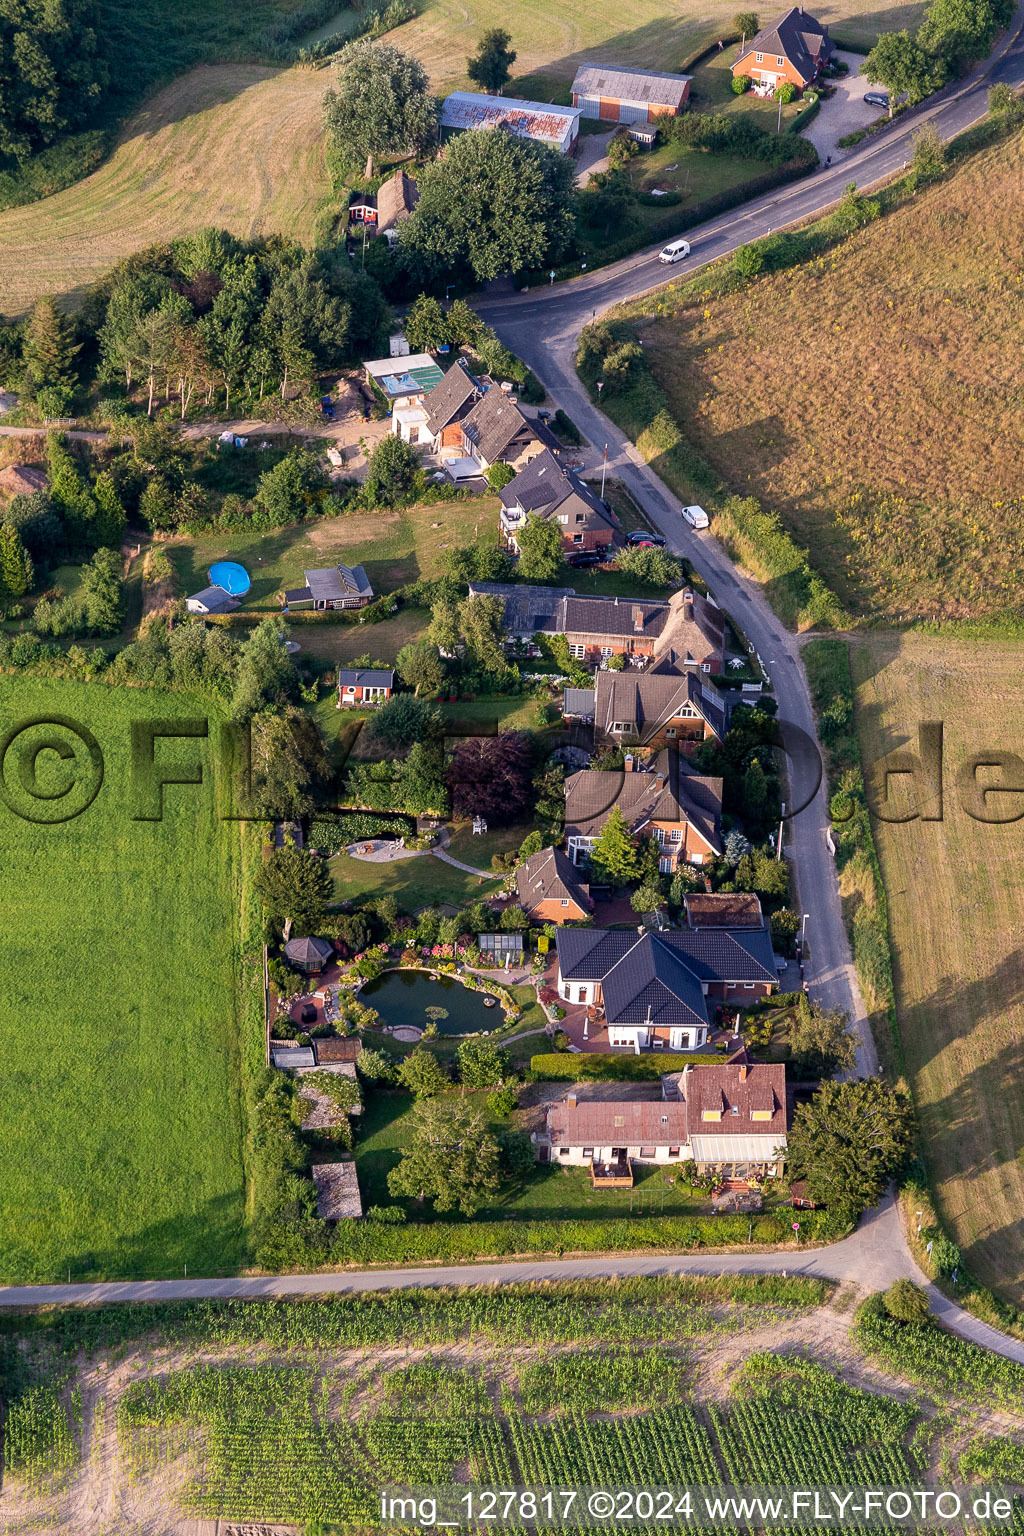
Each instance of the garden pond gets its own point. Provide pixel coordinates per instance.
(404, 998)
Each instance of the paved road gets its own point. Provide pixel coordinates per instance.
(543, 327)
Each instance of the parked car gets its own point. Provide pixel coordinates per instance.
(876, 98)
(696, 517)
(645, 536)
(581, 557)
(678, 250)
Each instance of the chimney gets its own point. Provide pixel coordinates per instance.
(638, 618)
(570, 1102)
(627, 763)
(688, 604)
(744, 1069)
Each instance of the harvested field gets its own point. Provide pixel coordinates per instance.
(956, 918)
(875, 398)
(232, 145)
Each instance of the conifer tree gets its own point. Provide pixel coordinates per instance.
(15, 564)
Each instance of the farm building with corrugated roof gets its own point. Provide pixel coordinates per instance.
(558, 127)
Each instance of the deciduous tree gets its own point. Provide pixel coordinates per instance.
(902, 66)
(849, 1141)
(481, 1064)
(452, 1158)
(426, 325)
(381, 105)
(266, 673)
(490, 776)
(540, 549)
(821, 1041)
(294, 883)
(422, 1073)
(391, 480)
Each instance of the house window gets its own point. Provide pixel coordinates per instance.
(748, 986)
(665, 865)
(647, 1154)
(588, 1151)
(350, 690)
(623, 727)
(565, 901)
(606, 650)
(735, 1109)
(705, 666)
(677, 834)
(583, 995)
(696, 858)
(563, 1151)
(670, 733)
(673, 1151)
(577, 538)
(779, 59)
(760, 58)
(563, 517)
(578, 652)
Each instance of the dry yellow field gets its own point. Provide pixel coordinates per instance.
(956, 906)
(231, 145)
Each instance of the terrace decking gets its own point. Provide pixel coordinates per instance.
(614, 1175)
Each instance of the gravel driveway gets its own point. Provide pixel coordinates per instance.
(843, 112)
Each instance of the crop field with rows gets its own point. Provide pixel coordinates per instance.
(303, 1412)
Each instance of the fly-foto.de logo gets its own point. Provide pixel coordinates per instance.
(904, 785)
(52, 767)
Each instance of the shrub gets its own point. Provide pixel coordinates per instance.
(331, 833)
(613, 1069)
(741, 84)
(907, 1302)
(786, 92)
(502, 1102)
(565, 428)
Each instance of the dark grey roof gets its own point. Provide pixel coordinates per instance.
(447, 400)
(304, 950)
(688, 627)
(667, 790)
(527, 609)
(798, 36)
(663, 971)
(578, 701)
(365, 677)
(653, 984)
(550, 875)
(650, 699)
(298, 595)
(494, 423)
(214, 600)
(338, 581)
(639, 85)
(545, 486)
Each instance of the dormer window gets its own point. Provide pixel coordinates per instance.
(760, 58)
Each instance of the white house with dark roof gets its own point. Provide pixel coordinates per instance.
(655, 988)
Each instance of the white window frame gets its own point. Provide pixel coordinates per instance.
(670, 733)
(578, 652)
(665, 865)
(780, 60)
(760, 58)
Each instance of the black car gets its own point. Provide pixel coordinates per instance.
(645, 536)
(582, 557)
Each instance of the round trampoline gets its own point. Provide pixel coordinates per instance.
(233, 578)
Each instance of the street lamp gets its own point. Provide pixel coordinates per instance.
(448, 291)
(604, 469)
(803, 929)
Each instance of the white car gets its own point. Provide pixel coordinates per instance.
(677, 251)
(696, 517)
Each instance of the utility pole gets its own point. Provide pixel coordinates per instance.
(782, 820)
(604, 470)
(779, 127)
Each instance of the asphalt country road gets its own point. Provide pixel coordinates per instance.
(543, 326)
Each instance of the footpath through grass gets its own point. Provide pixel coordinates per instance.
(119, 1097)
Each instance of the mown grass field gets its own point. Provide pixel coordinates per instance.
(394, 547)
(875, 398)
(234, 145)
(957, 921)
(119, 1098)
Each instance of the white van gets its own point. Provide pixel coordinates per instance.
(696, 517)
(677, 251)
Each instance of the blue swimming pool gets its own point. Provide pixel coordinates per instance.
(232, 577)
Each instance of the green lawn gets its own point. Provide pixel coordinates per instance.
(549, 1194)
(341, 644)
(119, 1097)
(712, 91)
(394, 547)
(478, 848)
(416, 883)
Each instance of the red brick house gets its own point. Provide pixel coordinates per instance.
(358, 687)
(687, 631)
(795, 47)
(666, 800)
(550, 889)
(446, 407)
(656, 709)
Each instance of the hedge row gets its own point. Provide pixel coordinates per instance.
(330, 833)
(568, 1067)
(370, 1242)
